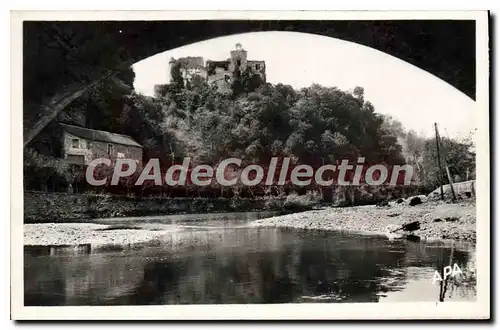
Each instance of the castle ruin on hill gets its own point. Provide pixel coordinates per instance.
(218, 73)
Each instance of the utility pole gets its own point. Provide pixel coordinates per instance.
(448, 174)
(450, 180)
(439, 162)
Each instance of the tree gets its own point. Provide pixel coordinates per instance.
(458, 155)
(198, 82)
(59, 46)
(245, 82)
(176, 76)
(359, 93)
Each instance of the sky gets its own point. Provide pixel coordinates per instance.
(396, 88)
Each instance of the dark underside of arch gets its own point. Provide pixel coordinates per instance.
(52, 49)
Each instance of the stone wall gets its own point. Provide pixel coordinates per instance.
(82, 150)
(258, 67)
(218, 78)
(64, 207)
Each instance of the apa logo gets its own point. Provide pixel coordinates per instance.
(447, 271)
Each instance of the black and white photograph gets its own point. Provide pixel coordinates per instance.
(280, 165)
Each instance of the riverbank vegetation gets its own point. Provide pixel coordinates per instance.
(65, 207)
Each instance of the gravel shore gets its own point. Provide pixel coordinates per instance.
(94, 234)
(438, 220)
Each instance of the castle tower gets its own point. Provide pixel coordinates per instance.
(238, 58)
(171, 62)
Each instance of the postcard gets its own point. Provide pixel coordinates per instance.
(250, 165)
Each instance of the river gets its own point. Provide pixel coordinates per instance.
(218, 259)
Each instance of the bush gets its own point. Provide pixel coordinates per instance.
(296, 202)
(43, 172)
(273, 202)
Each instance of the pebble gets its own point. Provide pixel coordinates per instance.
(375, 219)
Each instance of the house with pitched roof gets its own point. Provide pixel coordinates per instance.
(81, 145)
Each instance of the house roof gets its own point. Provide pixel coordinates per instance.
(96, 135)
(211, 63)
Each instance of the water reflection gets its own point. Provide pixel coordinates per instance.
(240, 265)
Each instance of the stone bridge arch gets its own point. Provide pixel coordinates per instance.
(62, 60)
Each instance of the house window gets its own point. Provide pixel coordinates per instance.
(257, 66)
(238, 62)
(75, 143)
(227, 78)
(110, 149)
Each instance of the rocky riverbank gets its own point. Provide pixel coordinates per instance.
(94, 234)
(437, 220)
